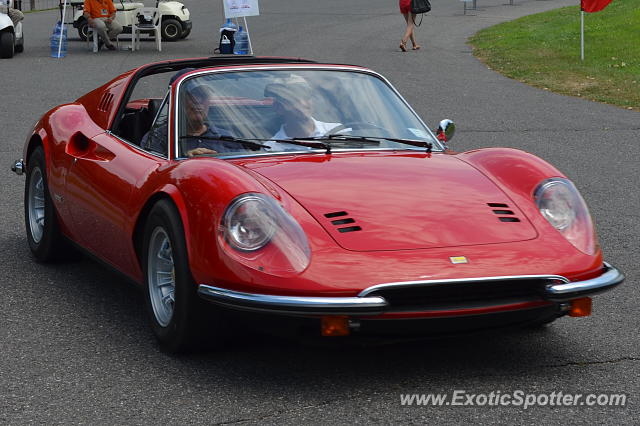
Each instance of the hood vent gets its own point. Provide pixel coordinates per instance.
(503, 212)
(341, 218)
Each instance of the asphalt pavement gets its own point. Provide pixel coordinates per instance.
(74, 344)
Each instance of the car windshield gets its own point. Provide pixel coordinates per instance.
(261, 112)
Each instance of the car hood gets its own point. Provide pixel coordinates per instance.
(378, 201)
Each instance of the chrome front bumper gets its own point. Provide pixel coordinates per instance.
(365, 304)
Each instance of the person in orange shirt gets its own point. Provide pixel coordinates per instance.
(101, 15)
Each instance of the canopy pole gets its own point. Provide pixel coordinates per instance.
(246, 28)
(582, 35)
(64, 15)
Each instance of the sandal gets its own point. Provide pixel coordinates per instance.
(416, 47)
(403, 46)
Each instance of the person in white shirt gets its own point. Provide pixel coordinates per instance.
(293, 104)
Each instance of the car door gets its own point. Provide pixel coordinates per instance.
(100, 186)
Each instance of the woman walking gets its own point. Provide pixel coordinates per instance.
(405, 9)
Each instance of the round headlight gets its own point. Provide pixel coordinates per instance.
(257, 232)
(556, 203)
(248, 223)
(562, 205)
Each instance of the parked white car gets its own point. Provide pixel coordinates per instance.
(11, 36)
(176, 22)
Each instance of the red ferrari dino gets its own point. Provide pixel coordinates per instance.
(308, 193)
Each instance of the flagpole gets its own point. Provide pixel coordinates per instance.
(582, 35)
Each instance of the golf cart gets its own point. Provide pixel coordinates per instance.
(11, 37)
(176, 23)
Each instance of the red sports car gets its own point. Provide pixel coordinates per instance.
(310, 194)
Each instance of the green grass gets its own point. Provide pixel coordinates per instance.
(543, 50)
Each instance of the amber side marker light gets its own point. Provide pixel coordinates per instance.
(334, 326)
(580, 307)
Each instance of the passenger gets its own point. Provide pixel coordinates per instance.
(293, 104)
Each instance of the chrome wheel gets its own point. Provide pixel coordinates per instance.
(35, 205)
(161, 276)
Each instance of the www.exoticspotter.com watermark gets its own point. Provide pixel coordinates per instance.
(517, 398)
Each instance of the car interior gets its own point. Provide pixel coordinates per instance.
(137, 119)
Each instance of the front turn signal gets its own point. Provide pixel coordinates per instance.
(334, 326)
(580, 307)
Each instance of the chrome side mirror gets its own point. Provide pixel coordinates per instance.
(445, 131)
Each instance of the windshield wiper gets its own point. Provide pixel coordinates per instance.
(373, 140)
(249, 143)
(308, 142)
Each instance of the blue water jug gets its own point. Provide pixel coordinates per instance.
(229, 24)
(242, 43)
(59, 32)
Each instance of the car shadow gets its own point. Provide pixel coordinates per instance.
(111, 310)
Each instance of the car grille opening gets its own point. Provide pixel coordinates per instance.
(463, 295)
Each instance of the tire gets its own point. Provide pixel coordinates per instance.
(6, 45)
(171, 29)
(82, 30)
(186, 33)
(172, 305)
(41, 222)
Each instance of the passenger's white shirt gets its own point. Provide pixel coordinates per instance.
(321, 129)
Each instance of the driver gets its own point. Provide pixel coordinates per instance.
(292, 103)
(198, 136)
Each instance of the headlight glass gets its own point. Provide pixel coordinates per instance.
(249, 223)
(564, 208)
(257, 232)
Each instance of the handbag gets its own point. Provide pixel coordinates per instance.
(420, 6)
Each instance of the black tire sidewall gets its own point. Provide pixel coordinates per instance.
(82, 30)
(48, 247)
(178, 335)
(171, 22)
(7, 45)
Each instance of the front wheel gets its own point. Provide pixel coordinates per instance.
(43, 232)
(172, 305)
(186, 33)
(6, 45)
(171, 29)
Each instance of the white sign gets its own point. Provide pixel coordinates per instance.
(239, 8)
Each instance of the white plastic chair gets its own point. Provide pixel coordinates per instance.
(136, 27)
(92, 35)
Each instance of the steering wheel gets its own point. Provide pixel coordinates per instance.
(356, 125)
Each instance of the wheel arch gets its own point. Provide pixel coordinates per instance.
(34, 142)
(165, 17)
(173, 195)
